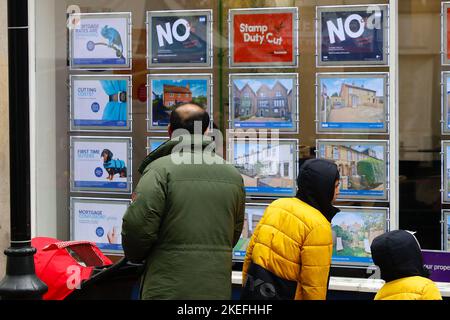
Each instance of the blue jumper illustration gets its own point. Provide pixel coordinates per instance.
(116, 108)
(114, 41)
(113, 166)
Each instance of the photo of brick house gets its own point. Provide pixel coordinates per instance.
(354, 230)
(351, 99)
(360, 167)
(168, 93)
(262, 99)
(244, 101)
(174, 95)
(264, 164)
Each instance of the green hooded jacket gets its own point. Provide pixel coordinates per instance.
(184, 221)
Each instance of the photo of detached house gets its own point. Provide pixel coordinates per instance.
(253, 214)
(354, 231)
(168, 94)
(266, 165)
(262, 99)
(352, 99)
(362, 167)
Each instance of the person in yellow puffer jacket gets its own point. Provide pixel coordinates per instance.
(289, 254)
(398, 255)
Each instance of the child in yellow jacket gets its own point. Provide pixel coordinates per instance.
(399, 257)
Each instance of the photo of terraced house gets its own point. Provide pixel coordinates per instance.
(253, 215)
(265, 165)
(362, 167)
(262, 99)
(354, 231)
(351, 99)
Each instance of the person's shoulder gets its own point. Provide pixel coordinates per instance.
(303, 211)
(159, 165)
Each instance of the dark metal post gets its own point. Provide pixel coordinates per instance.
(20, 281)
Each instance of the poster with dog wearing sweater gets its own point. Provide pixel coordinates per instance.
(101, 164)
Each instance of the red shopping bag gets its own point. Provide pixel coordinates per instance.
(64, 265)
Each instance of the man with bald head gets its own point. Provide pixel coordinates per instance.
(187, 214)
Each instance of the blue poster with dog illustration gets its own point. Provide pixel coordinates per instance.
(352, 35)
(100, 41)
(101, 164)
(100, 103)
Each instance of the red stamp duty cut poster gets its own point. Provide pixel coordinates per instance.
(263, 38)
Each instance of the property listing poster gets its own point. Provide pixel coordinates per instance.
(446, 171)
(268, 167)
(167, 92)
(154, 143)
(266, 102)
(101, 164)
(101, 40)
(353, 232)
(362, 166)
(100, 103)
(446, 100)
(447, 33)
(263, 37)
(179, 38)
(99, 221)
(352, 102)
(253, 214)
(446, 226)
(352, 35)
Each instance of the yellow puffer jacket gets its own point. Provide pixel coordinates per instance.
(409, 288)
(293, 241)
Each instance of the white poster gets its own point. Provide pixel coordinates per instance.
(99, 221)
(101, 40)
(101, 164)
(101, 103)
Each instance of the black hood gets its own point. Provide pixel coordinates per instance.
(398, 255)
(316, 184)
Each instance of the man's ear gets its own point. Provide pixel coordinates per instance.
(170, 131)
